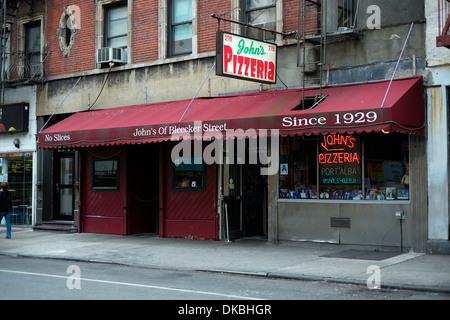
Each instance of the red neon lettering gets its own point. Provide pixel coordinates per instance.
(338, 140)
(347, 157)
(321, 158)
(339, 158)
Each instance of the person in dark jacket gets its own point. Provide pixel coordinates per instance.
(6, 207)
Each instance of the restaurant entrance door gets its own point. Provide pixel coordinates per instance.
(245, 197)
(64, 186)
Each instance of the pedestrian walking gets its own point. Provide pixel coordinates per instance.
(6, 207)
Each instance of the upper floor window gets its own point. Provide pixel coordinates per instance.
(346, 16)
(116, 26)
(260, 13)
(32, 49)
(180, 27)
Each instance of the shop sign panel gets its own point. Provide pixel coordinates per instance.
(245, 58)
(14, 118)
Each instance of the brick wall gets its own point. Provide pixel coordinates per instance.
(290, 15)
(144, 35)
(208, 26)
(145, 31)
(82, 54)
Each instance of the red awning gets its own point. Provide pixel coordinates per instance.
(363, 107)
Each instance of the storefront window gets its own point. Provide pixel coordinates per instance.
(386, 167)
(340, 163)
(105, 174)
(17, 170)
(345, 167)
(298, 168)
(189, 176)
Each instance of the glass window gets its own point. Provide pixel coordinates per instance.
(346, 17)
(18, 172)
(33, 50)
(65, 186)
(105, 174)
(340, 164)
(386, 167)
(298, 168)
(189, 176)
(261, 13)
(345, 167)
(181, 27)
(116, 26)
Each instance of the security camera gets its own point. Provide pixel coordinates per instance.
(16, 143)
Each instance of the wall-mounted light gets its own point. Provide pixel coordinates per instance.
(385, 132)
(16, 143)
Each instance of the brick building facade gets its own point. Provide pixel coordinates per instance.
(167, 55)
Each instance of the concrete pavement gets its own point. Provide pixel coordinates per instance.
(295, 260)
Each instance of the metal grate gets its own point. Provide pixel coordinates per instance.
(340, 222)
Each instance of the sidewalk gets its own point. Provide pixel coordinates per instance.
(295, 260)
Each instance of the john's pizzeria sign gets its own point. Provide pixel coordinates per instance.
(246, 58)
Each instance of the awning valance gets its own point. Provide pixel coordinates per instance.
(364, 107)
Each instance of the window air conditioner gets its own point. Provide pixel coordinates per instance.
(108, 54)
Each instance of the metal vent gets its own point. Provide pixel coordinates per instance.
(340, 222)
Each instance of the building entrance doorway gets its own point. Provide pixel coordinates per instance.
(64, 186)
(244, 199)
(142, 189)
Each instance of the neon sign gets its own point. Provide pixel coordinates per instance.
(340, 159)
(339, 149)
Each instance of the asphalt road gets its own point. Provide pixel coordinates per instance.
(46, 279)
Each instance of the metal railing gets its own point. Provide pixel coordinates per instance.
(23, 67)
(347, 11)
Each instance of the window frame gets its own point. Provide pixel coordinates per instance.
(171, 26)
(245, 19)
(189, 188)
(344, 11)
(24, 24)
(117, 175)
(106, 37)
(320, 190)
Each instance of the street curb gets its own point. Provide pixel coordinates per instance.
(363, 283)
(274, 275)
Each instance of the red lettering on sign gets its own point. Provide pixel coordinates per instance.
(337, 150)
(246, 66)
(339, 158)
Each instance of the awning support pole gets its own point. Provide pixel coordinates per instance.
(59, 106)
(209, 73)
(398, 62)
